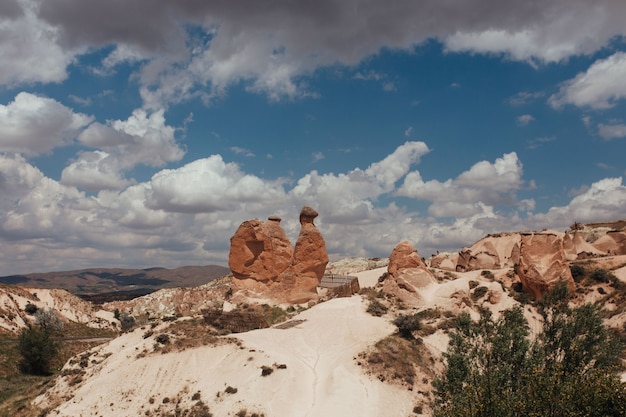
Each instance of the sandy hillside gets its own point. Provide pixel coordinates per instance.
(310, 361)
(321, 377)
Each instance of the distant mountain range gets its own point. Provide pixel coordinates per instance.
(133, 282)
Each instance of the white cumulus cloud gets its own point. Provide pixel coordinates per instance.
(600, 87)
(485, 182)
(210, 184)
(144, 138)
(34, 125)
(604, 200)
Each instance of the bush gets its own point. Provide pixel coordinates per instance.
(126, 321)
(408, 324)
(578, 272)
(487, 274)
(479, 293)
(376, 308)
(494, 368)
(48, 321)
(31, 308)
(602, 275)
(37, 349)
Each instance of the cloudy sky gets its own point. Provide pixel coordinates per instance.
(140, 133)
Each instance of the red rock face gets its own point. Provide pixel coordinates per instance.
(543, 264)
(265, 265)
(259, 250)
(407, 274)
(404, 256)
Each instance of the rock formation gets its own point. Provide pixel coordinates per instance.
(264, 265)
(612, 243)
(407, 273)
(491, 252)
(260, 251)
(576, 247)
(445, 261)
(542, 263)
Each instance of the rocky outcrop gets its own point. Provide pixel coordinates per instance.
(407, 273)
(172, 302)
(491, 252)
(576, 247)
(264, 265)
(444, 261)
(542, 263)
(67, 307)
(309, 256)
(260, 251)
(404, 256)
(612, 243)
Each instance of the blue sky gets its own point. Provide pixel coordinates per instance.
(141, 133)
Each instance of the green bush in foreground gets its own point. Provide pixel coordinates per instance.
(493, 368)
(37, 349)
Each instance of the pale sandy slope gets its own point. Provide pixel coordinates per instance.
(321, 376)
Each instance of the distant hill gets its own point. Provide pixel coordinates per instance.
(95, 283)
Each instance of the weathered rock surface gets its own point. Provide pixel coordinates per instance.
(491, 252)
(576, 247)
(67, 307)
(407, 273)
(542, 263)
(260, 250)
(264, 264)
(444, 261)
(171, 302)
(612, 243)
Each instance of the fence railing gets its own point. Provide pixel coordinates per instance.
(333, 280)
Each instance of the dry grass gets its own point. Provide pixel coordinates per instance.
(397, 360)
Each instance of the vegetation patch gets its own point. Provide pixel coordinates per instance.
(479, 292)
(487, 274)
(18, 389)
(395, 359)
(376, 308)
(494, 367)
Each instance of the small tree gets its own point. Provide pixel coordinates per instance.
(127, 321)
(48, 321)
(37, 349)
(493, 368)
(408, 324)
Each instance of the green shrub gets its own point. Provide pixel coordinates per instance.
(31, 308)
(578, 272)
(602, 275)
(479, 293)
(408, 324)
(494, 367)
(487, 274)
(37, 349)
(127, 321)
(376, 308)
